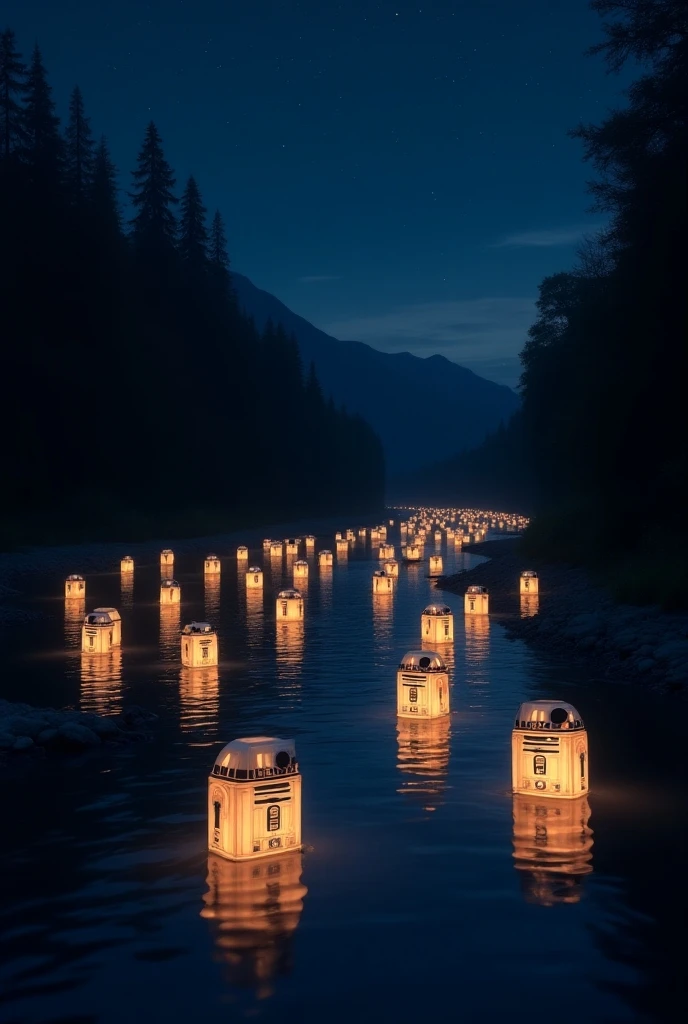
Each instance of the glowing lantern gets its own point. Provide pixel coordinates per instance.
(342, 549)
(437, 624)
(292, 546)
(391, 522)
(422, 686)
(529, 582)
(242, 553)
(350, 536)
(276, 549)
(476, 601)
(382, 533)
(362, 532)
(300, 569)
(435, 564)
(289, 604)
(211, 566)
(382, 583)
(97, 633)
(438, 536)
(170, 592)
(75, 587)
(127, 564)
(549, 750)
(325, 558)
(199, 645)
(254, 799)
(391, 567)
(552, 848)
(310, 542)
(166, 558)
(386, 551)
(254, 578)
(116, 620)
(338, 535)
(411, 553)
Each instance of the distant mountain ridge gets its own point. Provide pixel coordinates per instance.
(424, 410)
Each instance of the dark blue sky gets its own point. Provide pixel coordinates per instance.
(397, 173)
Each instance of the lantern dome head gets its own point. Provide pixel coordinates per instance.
(98, 618)
(301, 562)
(211, 557)
(380, 572)
(198, 627)
(325, 551)
(548, 714)
(168, 583)
(422, 661)
(166, 551)
(290, 594)
(437, 609)
(476, 590)
(242, 548)
(254, 568)
(75, 577)
(254, 757)
(529, 575)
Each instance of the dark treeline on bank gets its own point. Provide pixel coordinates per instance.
(601, 444)
(137, 399)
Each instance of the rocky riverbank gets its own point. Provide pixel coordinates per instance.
(578, 619)
(38, 731)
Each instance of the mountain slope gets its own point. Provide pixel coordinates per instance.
(424, 410)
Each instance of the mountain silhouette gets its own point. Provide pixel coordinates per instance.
(424, 410)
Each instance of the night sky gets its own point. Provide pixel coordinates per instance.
(396, 173)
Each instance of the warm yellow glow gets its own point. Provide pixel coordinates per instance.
(289, 643)
(199, 702)
(75, 588)
(423, 758)
(362, 533)
(75, 611)
(529, 583)
(422, 686)
(254, 578)
(255, 908)
(342, 549)
(435, 564)
(437, 624)
(310, 542)
(325, 558)
(101, 682)
(300, 570)
(166, 558)
(530, 605)
(382, 583)
(350, 536)
(212, 594)
(552, 848)
(477, 631)
(549, 751)
(242, 553)
(476, 601)
(386, 551)
(391, 568)
(411, 552)
(199, 646)
(98, 633)
(292, 546)
(289, 604)
(211, 566)
(338, 535)
(127, 564)
(170, 625)
(276, 549)
(254, 799)
(170, 592)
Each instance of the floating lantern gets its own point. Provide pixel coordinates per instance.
(435, 564)
(391, 567)
(411, 553)
(438, 536)
(437, 624)
(289, 604)
(254, 578)
(549, 750)
(75, 587)
(292, 546)
(97, 633)
(211, 566)
(386, 551)
(350, 536)
(276, 549)
(254, 799)
(300, 569)
(310, 542)
(127, 564)
(362, 532)
(529, 583)
(166, 558)
(325, 558)
(242, 553)
(199, 645)
(552, 848)
(422, 686)
(116, 620)
(476, 601)
(170, 592)
(382, 583)
(382, 533)
(391, 522)
(338, 536)
(266, 544)
(342, 548)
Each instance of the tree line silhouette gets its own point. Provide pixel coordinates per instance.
(138, 399)
(599, 450)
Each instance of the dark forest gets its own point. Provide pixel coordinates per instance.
(138, 399)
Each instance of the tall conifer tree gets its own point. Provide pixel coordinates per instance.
(12, 88)
(79, 150)
(43, 146)
(153, 224)
(193, 235)
(103, 190)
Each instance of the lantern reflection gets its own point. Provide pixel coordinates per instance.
(199, 702)
(170, 628)
(477, 628)
(383, 617)
(423, 758)
(101, 682)
(255, 907)
(127, 589)
(289, 641)
(530, 605)
(325, 576)
(75, 610)
(212, 597)
(552, 848)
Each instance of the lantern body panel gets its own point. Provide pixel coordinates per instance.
(342, 547)
(422, 686)
(325, 558)
(549, 758)
(301, 570)
(75, 588)
(289, 605)
(170, 592)
(276, 548)
(116, 620)
(97, 634)
(127, 564)
(386, 551)
(476, 603)
(166, 559)
(199, 649)
(383, 584)
(437, 629)
(529, 585)
(254, 579)
(391, 568)
(292, 547)
(211, 566)
(435, 563)
(242, 553)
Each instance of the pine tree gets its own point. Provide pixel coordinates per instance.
(193, 239)
(219, 259)
(79, 150)
(12, 87)
(103, 190)
(154, 226)
(43, 147)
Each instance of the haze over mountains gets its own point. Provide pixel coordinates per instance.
(424, 410)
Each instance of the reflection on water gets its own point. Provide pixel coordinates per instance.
(74, 613)
(326, 574)
(212, 597)
(289, 641)
(383, 619)
(552, 848)
(199, 702)
(423, 759)
(255, 908)
(477, 630)
(530, 605)
(101, 682)
(170, 630)
(127, 589)
(255, 618)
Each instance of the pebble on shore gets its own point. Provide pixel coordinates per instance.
(24, 728)
(579, 619)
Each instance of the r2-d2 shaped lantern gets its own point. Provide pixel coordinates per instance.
(116, 620)
(75, 587)
(437, 624)
(411, 552)
(254, 799)
(127, 564)
(242, 553)
(325, 558)
(199, 645)
(276, 549)
(254, 578)
(97, 633)
(211, 566)
(435, 563)
(382, 583)
(529, 583)
(170, 592)
(166, 558)
(391, 567)
(476, 601)
(289, 605)
(549, 750)
(386, 551)
(422, 686)
(300, 569)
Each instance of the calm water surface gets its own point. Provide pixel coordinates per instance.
(425, 890)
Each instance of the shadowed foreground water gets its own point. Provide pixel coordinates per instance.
(425, 891)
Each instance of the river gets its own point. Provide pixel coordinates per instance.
(410, 901)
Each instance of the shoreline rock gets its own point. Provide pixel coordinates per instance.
(578, 619)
